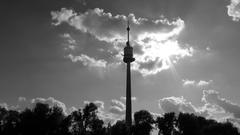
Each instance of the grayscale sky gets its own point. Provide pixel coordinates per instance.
(69, 52)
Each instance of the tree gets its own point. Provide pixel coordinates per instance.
(119, 128)
(41, 114)
(92, 124)
(27, 124)
(143, 123)
(188, 124)
(87, 122)
(220, 129)
(41, 120)
(10, 123)
(167, 124)
(46, 120)
(77, 122)
(64, 127)
(55, 119)
(97, 127)
(3, 114)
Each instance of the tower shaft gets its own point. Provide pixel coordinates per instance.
(128, 96)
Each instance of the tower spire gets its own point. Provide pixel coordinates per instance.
(128, 30)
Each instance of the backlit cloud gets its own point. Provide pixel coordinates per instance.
(234, 9)
(155, 43)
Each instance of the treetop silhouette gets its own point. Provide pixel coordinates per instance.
(46, 120)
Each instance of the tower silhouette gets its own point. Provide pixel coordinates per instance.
(128, 58)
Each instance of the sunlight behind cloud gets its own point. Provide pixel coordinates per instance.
(155, 42)
(160, 53)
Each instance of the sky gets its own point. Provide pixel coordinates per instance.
(69, 53)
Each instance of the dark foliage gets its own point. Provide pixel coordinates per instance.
(119, 128)
(166, 124)
(143, 123)
(46, 120)
(190, 124)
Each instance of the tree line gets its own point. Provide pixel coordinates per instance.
(46, 120)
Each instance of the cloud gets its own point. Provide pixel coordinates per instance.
(72, 109)
(179, 104)
(107, 116)
(188, 82)
(154, 41)
(155, 115)
(88, 61)
(106, 27)
(70, 42)
(117, 107)
(200, 83)
(4, 105)
(124, 98)
(115, 111)
(158, 55)
(234, 10)
(216, 112)
(213, 97)
(214, 107)
(204, 83)
(51, 102)
(62, 16)
(98, 103)
(24, 103)
(236, 122)
(22, 99)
